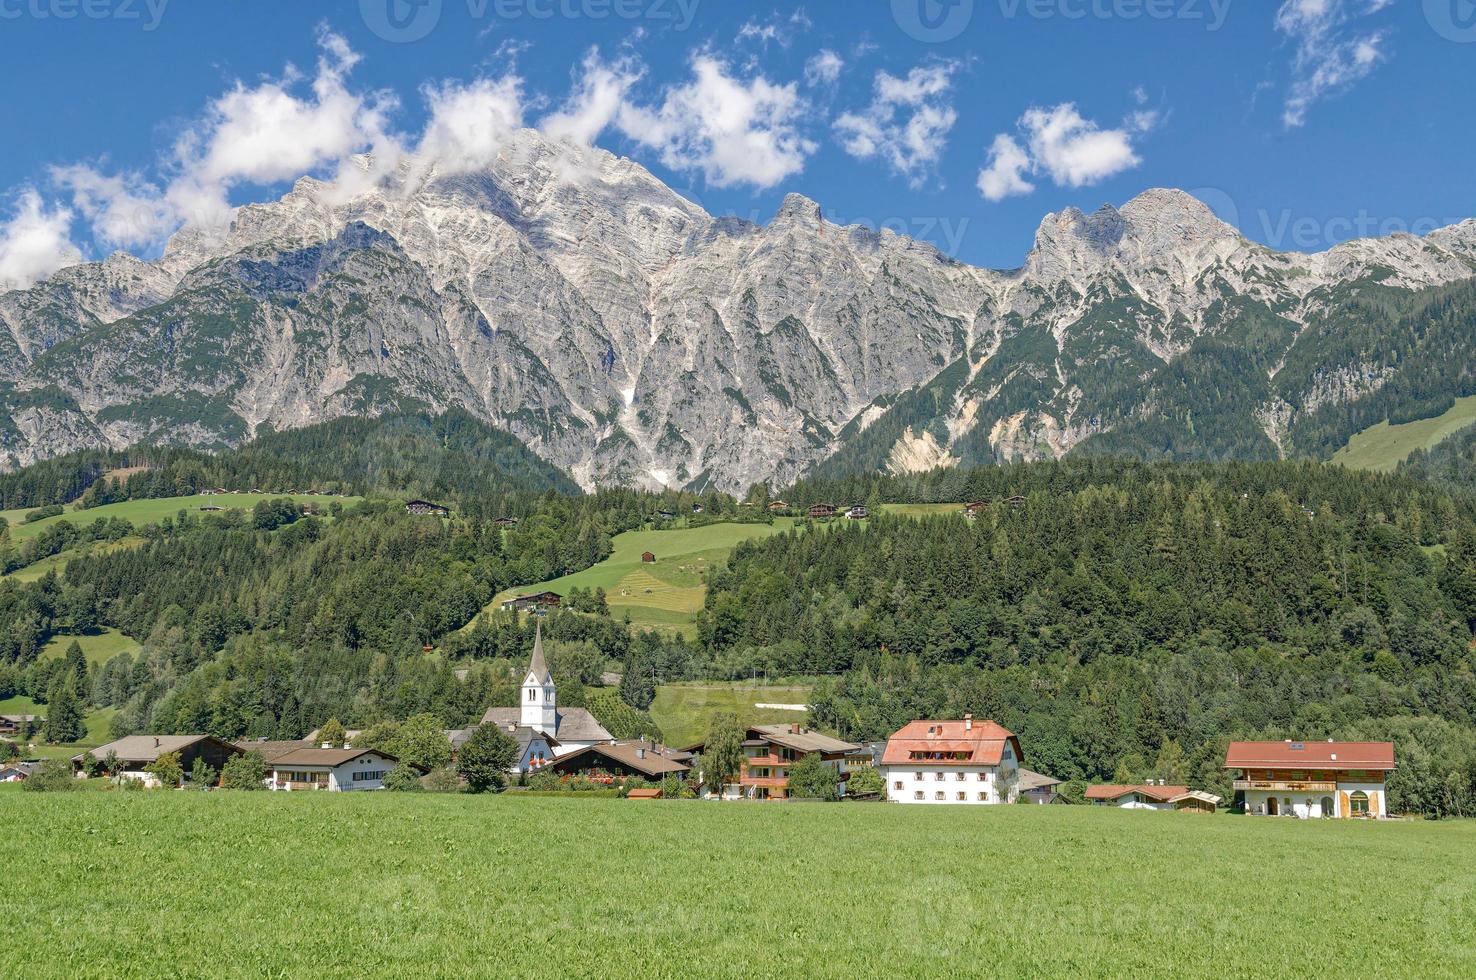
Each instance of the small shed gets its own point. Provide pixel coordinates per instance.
(643, 794)
(648, 558)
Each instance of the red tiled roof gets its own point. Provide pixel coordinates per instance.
(984, 743)
(1161, 794)
(1311, 755)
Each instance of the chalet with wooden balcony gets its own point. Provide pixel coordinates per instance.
(769, 751)
(1342, 780)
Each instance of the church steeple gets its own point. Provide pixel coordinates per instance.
(540, 703)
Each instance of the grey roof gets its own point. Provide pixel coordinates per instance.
(308, 756)
(145, 748)
(804, 740)
(538, 668)
(1033, 780)
(571, 724)
(271, 750)
(518, 733)
(656, 761)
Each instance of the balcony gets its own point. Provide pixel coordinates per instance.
(1285, 786)
(768, 782)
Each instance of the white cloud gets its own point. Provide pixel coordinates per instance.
(125, 211)
(731, 130)
(1332, 52)
(1063, 145)
(596, 101)
(35, 242)
(1004, 176)
(824, 68)
(470, 124)
(777, 30)
(907, 123)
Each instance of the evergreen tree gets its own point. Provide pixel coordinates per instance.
(486, 758)
(64, 718)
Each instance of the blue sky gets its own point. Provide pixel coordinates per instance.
(1304, 122)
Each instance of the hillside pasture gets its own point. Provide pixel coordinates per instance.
(377, 885)
(685, 711)
(667, 594)
(98, 648)
(154, 510)
(1383, 447)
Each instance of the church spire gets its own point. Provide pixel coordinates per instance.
(539, 668)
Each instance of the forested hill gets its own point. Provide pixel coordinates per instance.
(452, 457)
(1127, 620)
(1451, 462)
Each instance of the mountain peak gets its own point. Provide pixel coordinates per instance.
(797, 207)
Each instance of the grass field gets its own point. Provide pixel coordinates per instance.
(685, 711)
(98, 648)
(666, 595)
(1382, 447)
(141, 512)
(99, 723)
(221, 884)
(922, 510)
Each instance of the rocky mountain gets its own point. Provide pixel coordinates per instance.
(624, 334)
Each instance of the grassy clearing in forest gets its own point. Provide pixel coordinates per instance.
(1383, 447)
(152, 511)
(665, 595)
(686, 711)
(377, 884)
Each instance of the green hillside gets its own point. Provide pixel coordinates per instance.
(665, 595)
(153, 510)
(672, 889)
(686, 711)
(1383, 447)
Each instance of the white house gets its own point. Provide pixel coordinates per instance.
(132, 756)
(1153, 796)
(334, 770)
(1313, 779)
(957, 762)
(535, 749)
(568, 729)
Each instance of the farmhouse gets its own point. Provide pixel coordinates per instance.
(334, 770)
(539, 600)
(973, 510)
(272, 750)
(11, 724)
(768, 751)
(857, 513)
(1312, 779)
(1152, 796)
(952, 762)
(775, 506)
(1017, 501)
(424, 508)
(821, 512)
(505, 522)
(614, 761)
(571, 729)
(15, 772)
(1036, 788)
(136, 752)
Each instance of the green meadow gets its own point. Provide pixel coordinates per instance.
(1383, 447)
(667, 594)
(379, 885)
(141, 512)
(686, 711)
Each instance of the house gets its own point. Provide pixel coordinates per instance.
(857, 513)
(1312, 779)
(775, 506)
(1037, 788)
(505, 522)
(769, 750)
(1152, 796)
(271, 749)
(648, 558)
(212, 508)
(539, 600)
(616, 761)
(12, 724)
(137, 752)
(821, 512)
(15, 772)
(571, 729)
(1017, 501)
(424, 508)
(973, 510)
(334, 770)
(958, 762)
(697, 508)
(535, 749)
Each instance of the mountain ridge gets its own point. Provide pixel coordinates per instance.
(628, 336)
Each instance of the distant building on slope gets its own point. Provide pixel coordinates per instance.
(570, 729)
(1313, 779)
(424, 508)
(538, 600)
(957, 762)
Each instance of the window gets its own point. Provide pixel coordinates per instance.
(918, 795)
(371, 776)
(1328, 808)
(983, 777)
(983, 797)
(940, 796)
(917, 776)
(962, 776)
(897, 784)
(942, 776)
(962, 797)
(1358, 803)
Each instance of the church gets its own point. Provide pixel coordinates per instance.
(568, 729)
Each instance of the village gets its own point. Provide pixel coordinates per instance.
(959, 762)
